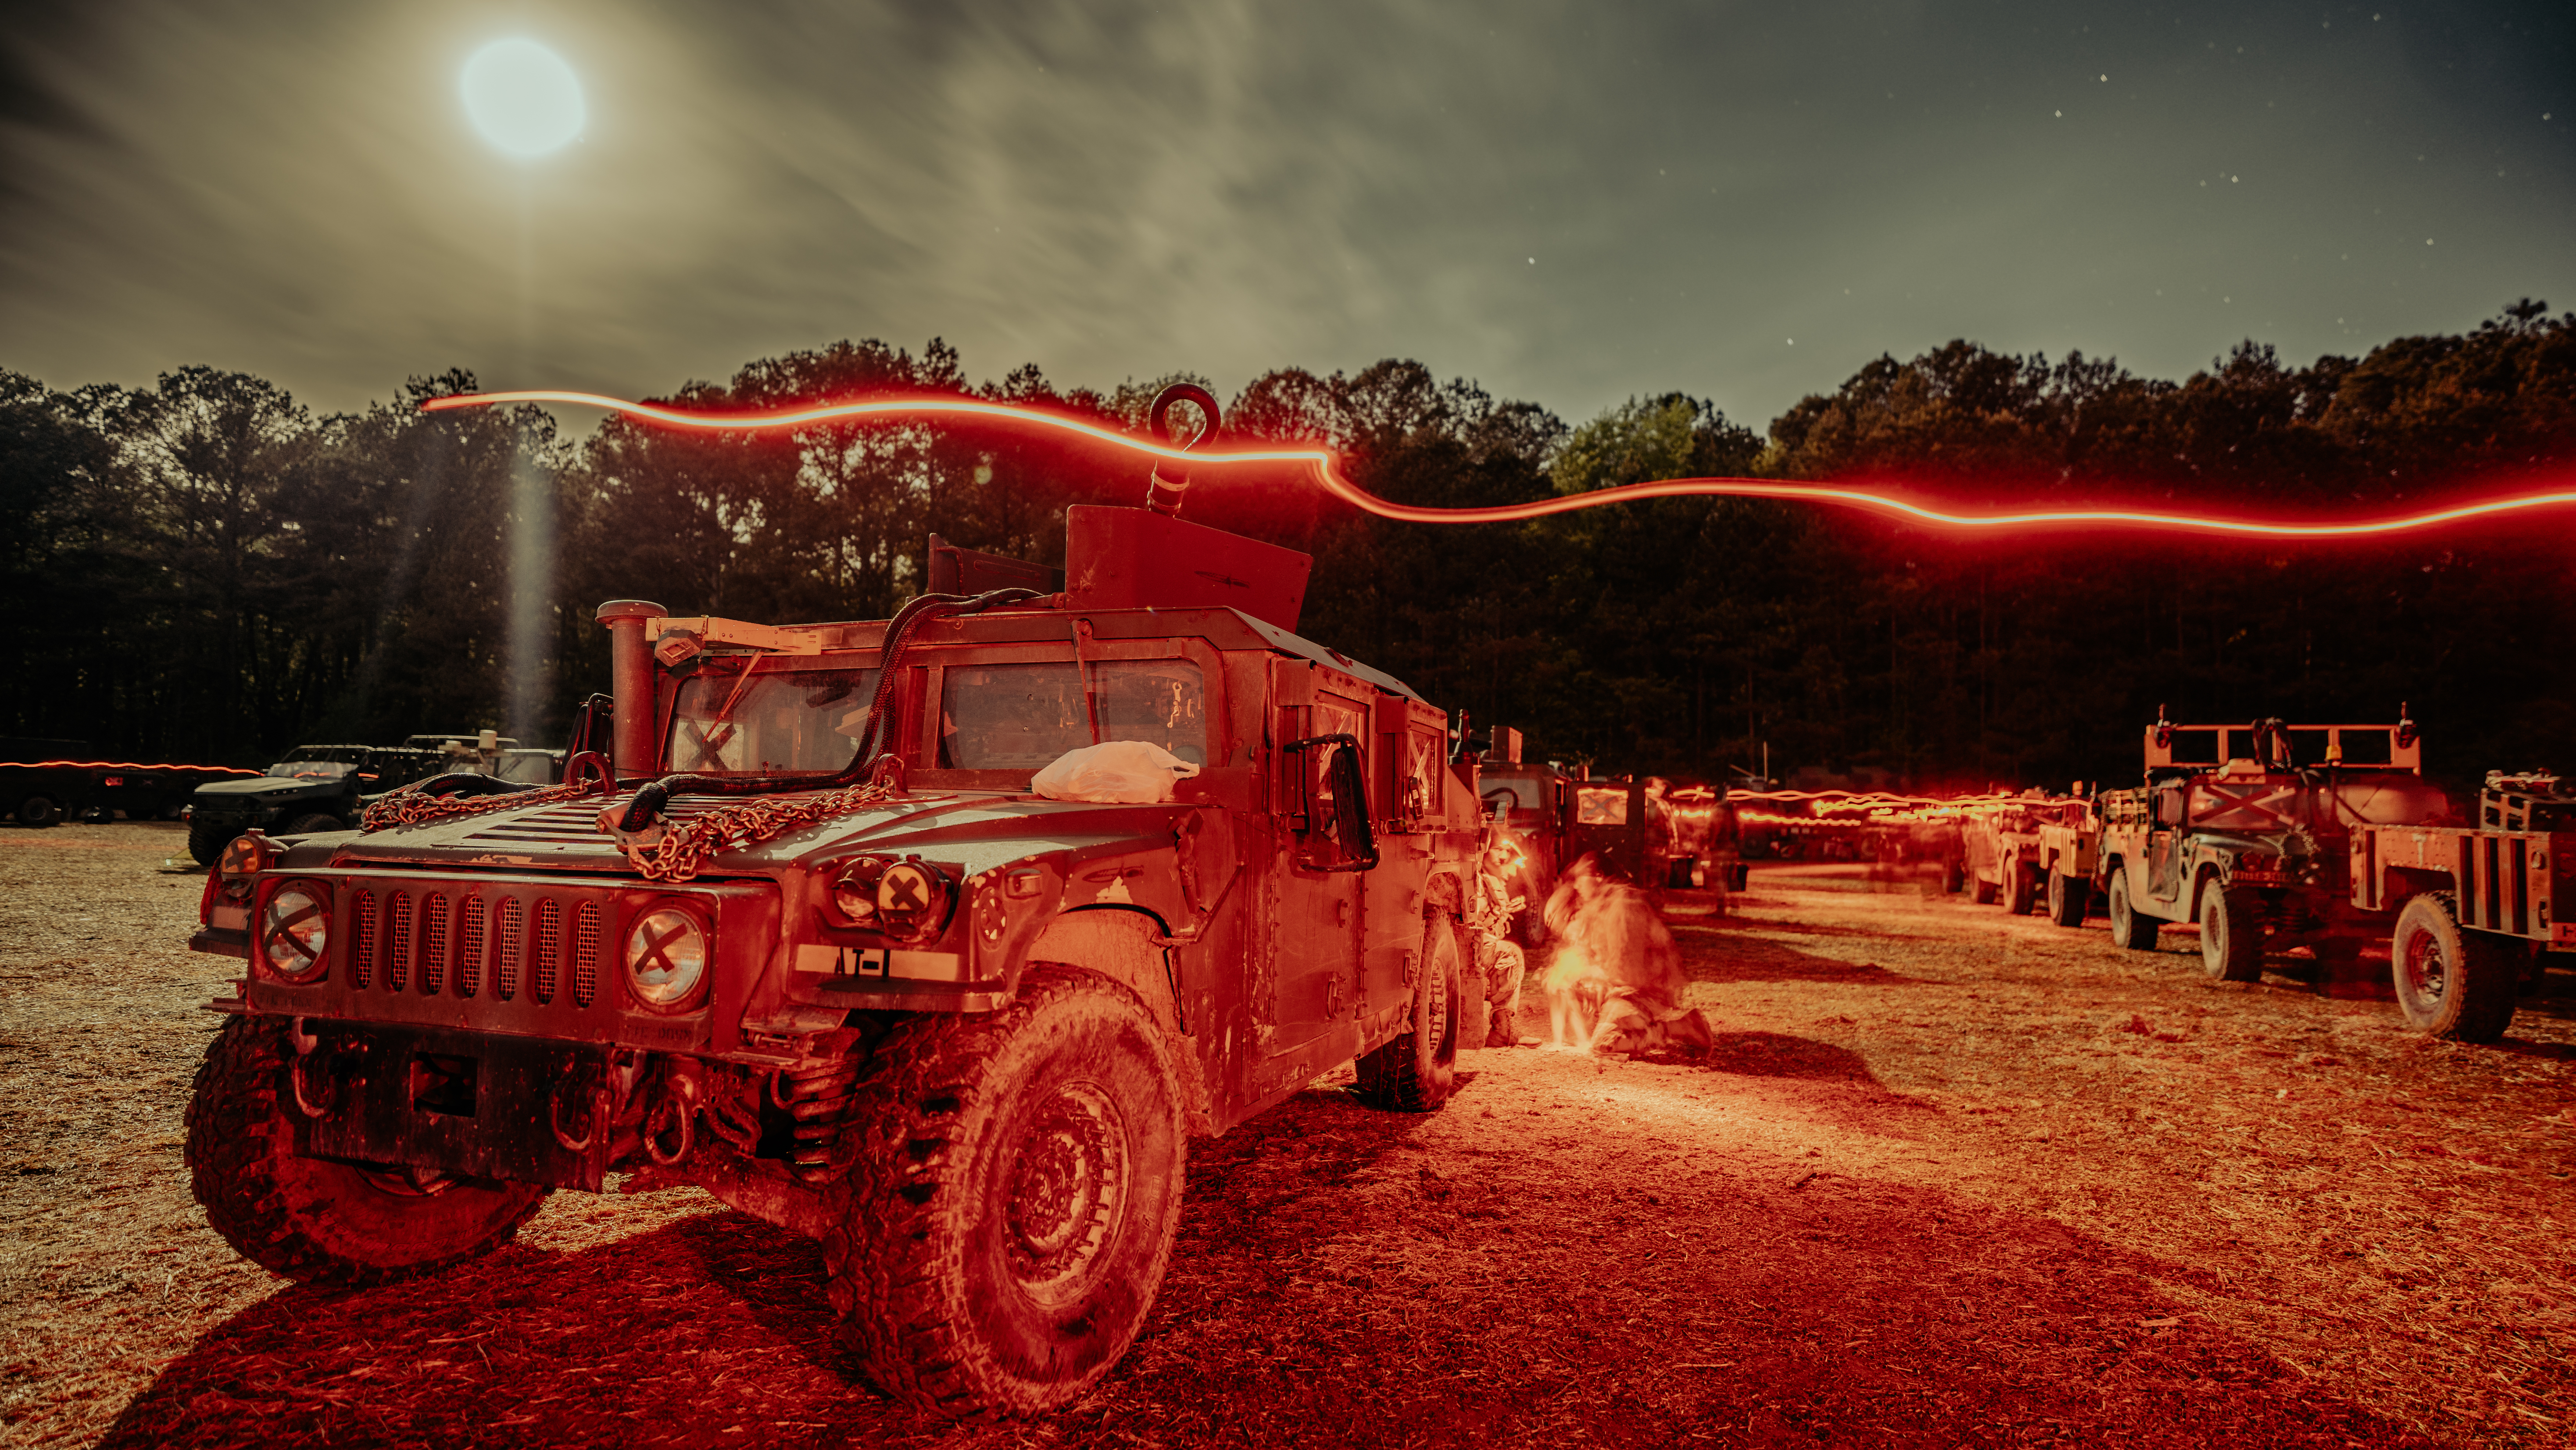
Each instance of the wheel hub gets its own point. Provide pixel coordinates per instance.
(1068, 1182)
(2425, 969)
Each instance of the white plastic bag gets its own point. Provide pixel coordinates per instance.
(1122, 772)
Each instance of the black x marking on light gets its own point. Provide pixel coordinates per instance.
(286, 928)
(657, 948)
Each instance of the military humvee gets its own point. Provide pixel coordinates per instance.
(812, 942)
(2253, 845)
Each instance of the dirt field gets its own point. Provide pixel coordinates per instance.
(1948, 1179)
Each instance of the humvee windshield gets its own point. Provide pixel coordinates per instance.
(741, 715)
(770, 720)
(319, 762)
(1601, 807)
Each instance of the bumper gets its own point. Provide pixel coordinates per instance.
(459, 1103)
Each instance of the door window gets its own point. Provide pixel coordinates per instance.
(1024, 716)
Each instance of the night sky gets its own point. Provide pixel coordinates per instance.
(1569, 202)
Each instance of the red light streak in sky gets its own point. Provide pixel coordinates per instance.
(124, 765)
(1327, 471)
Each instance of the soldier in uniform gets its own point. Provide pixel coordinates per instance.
(1499, 962)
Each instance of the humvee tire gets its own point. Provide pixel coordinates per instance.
(39, 811)
(306, 825)
(1985, 892)
(2130, 927)
(1417, 1071)
(206, 842)
(2231, 940)
(2068, 896)
(2450, 982)
(1014, 1213)
(318, 1221)
(2025, 890)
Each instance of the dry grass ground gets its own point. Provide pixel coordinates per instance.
(1948, 1179)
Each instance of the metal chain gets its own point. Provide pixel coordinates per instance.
(410, 807)
(670, 853)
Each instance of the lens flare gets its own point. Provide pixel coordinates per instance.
(1328, 475)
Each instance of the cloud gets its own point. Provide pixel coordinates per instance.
(1124, 189)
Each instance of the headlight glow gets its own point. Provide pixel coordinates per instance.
(295, 930)
(666, 956)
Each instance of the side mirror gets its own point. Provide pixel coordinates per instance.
(1336, 835)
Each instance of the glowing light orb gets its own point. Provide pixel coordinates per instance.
(522, 97)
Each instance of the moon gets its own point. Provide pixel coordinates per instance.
(522, 97)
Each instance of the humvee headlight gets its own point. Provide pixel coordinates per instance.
(913, 899)
(854, 891)
(666, 956)
(294, 930)
(245, 855)
(907, 901)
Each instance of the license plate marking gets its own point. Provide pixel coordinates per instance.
(879, 964)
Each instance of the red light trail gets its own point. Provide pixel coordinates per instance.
(123, 765)
(1328, 474)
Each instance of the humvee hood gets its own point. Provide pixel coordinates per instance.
(976, 829)
(258, 786)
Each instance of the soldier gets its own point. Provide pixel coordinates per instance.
(1617, 982)
(1499, 963)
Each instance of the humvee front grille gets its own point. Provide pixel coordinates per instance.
(469, 947)
(433, 942)
(397, 940)
(507, 933)
(549, 949)
(585, 952)
(362, 938)
(440, 940)
(510, 954)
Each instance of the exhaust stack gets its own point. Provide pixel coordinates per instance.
(631, 681)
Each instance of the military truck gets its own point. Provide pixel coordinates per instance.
(315, 788)
(1534, 802)
(42, 782)
(2477, 906)
(2070, 856)
(2013, 852)
(1627, 824)
(814, 942)
(2231, 831)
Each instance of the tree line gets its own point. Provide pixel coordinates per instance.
(206, 570)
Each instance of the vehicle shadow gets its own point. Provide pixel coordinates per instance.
(1774, 1054)
(1733, 957)
(1318, 1295)
(677, 1335)
(1813, 929)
